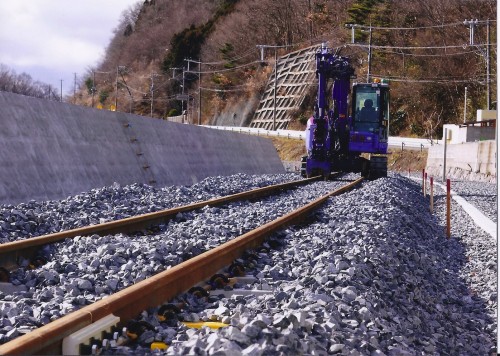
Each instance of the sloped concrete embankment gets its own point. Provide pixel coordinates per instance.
(469, 161)
(50, 150)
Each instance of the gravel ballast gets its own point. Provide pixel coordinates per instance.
(85, 269)
(118, 202)
(377, 278)
(372, 273)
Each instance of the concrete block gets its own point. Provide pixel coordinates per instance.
(475, 158)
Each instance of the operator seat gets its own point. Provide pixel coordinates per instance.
(367, 112)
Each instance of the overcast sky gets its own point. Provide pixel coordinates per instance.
(53, 39)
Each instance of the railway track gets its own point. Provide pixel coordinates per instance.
(161, 287)
(12, 252)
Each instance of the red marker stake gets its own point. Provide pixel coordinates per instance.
(425, 184)
(423, 181)
(432, 195)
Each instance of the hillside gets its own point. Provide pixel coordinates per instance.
(422, 47)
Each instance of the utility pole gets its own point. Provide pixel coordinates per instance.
(199, 89)
(199, 93)
(61, 91)
(93, 87)
(119, 71)
(310, 24)
(275, 85)
(465, 105)
(187, 92)
(261, 47)
(472, 25)
(116, 90)
(352, 26)
(152, 92)
(369, 56)
(182, 101)
(173, 72)
(74, 90)
(488, 66)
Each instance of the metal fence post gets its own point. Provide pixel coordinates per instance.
(448, 208)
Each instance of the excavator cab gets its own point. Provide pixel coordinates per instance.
(370, 118)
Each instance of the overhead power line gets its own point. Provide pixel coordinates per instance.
(464, 46)
(233, 59)
(446, 54)
(223, 70)
(453, 24)
(221, 90)
(442, 80)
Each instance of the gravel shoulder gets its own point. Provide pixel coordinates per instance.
(482, 195)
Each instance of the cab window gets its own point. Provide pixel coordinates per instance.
(367, 109)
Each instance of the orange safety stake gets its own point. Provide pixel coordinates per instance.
(448, 208)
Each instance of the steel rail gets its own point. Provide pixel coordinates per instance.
(130, 302)
(11, 251)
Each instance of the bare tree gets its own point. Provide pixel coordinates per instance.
(24, 84)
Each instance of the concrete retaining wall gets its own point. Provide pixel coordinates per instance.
(49, 150)
(472, 160)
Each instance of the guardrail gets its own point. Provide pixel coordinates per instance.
(394, 141)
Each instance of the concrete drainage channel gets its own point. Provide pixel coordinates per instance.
(372, 273)
(154, 290)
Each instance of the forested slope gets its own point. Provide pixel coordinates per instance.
(421, 46)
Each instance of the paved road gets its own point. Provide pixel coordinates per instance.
(394, 141)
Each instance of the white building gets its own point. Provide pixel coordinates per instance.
(481, 130)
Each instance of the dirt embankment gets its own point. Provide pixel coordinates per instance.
(398, 160)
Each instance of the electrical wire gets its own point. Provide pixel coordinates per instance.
(434, 81)
(479, 22)
(428, 55)
(221, 90)
(224, 70)
(416, 47)
(243, 55)
(441, 80)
